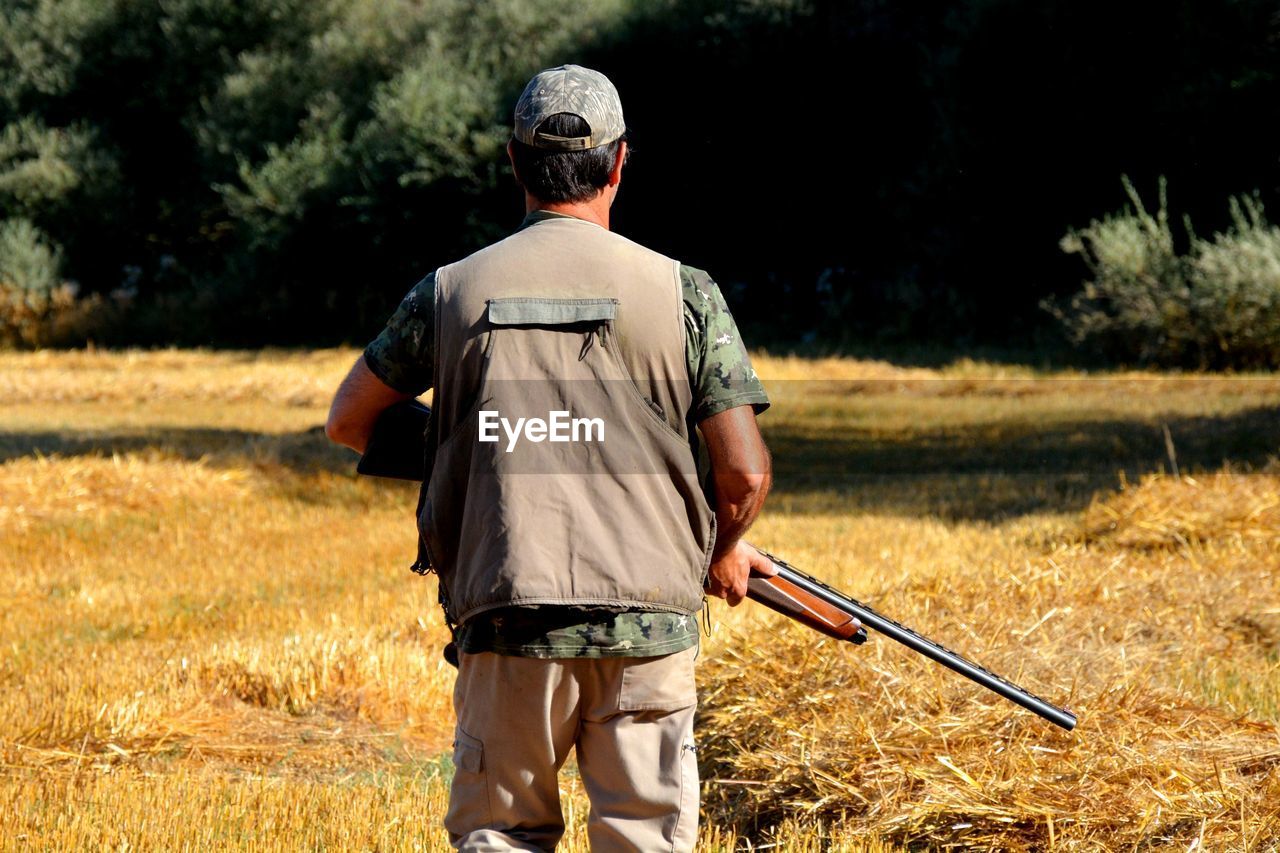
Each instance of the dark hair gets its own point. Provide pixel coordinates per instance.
(564, 176)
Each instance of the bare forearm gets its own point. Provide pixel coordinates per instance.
(741, 473)
(360, 399)
(738, 502)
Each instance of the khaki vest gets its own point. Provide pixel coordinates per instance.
(564, 316)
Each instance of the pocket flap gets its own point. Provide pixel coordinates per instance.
(540, 311)
(659, 683)
(468, 753)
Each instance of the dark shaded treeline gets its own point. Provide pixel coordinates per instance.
(851, 172)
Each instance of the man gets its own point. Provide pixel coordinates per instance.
(574, 566)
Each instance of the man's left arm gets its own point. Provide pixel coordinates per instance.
(361, 398)
(396, 366)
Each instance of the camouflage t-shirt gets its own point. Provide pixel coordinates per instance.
(722, 378)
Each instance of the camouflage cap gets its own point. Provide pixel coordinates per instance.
(569, 89)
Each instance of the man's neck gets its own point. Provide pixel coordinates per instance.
(596, 210)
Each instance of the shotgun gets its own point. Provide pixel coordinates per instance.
(400, 448)
(808, 600)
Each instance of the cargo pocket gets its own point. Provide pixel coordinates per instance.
(469, 807)
(662, 683)
(685, 835)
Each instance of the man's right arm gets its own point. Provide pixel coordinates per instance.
(727, 397)
(741, 474)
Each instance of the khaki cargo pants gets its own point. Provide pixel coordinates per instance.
(631, 721)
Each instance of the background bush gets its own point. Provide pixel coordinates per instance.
(282, 171)
(29, 276)
(1215, 304)
(1235, 290)
(38, 308)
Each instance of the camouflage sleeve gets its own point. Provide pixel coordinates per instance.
(403, 354)
(719, 367)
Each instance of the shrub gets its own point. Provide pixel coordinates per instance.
(1235, 288)
(1214, 305)
(37, 307)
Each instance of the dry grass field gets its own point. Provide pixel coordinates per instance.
(210, 638)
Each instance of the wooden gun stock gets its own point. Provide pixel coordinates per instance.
(780, 594)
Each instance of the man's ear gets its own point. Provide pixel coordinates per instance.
(512, 157)
(615, 174)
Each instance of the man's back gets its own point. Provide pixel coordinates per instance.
(565, 317)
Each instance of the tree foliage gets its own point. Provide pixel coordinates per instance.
(283, 170)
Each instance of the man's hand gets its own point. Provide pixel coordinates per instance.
(729, 572)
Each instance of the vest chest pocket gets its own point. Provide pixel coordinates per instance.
(541, 311)
(525, 327)
(539, 338)
(545, 355)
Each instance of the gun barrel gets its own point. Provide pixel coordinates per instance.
(934, 651)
